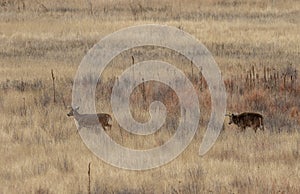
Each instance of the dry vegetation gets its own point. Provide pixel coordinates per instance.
(256, 44)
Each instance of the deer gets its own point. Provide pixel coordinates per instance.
(84, 120)
(247, 119)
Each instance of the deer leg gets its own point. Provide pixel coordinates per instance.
(107, 124)
(103, 126)
(243, 129)
(262, 124)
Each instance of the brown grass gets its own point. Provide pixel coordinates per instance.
(41, 150)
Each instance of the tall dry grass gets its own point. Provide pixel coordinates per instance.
(41, 150)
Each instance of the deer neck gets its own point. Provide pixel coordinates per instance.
(76, 114)
(235, 119)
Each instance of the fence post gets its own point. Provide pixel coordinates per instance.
(89, 174)
(53, 84)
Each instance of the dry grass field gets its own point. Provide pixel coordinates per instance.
(255, 43)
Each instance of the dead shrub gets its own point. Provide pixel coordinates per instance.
(257, 99)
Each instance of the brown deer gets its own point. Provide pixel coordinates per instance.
(84, 120)
(247, 119)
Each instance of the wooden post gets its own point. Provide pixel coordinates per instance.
(284, 76)
(89, 174)
(192, 70)
(250, 79)
(275, 80)
(200, 79)
(53, 84)
(201, 82)
(292, 83)
(253, 76)
(231, 85)
(278, 79)
(295, 80)
(132, 58)
(265, 75)
(143, 90)
(247, 81)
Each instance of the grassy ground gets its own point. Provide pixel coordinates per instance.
(41, 150)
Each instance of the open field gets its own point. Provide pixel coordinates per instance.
(255, 43)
